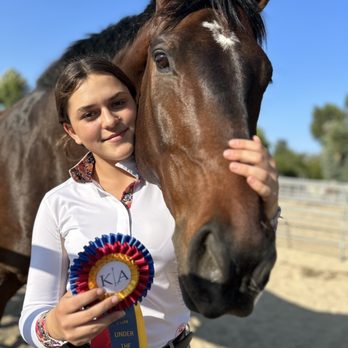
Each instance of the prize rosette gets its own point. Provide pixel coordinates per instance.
(119, 263)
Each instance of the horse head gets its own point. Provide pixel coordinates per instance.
(201, 73)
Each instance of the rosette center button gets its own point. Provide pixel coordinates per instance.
(114, 277)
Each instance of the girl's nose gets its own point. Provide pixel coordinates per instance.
(110, 119)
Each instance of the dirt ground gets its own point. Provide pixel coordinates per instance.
(305, 306)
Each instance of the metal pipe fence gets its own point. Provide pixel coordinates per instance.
(315, 215)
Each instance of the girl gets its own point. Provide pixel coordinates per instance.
(95, 103)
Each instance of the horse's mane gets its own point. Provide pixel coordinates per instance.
(106, 44)
(176, 10)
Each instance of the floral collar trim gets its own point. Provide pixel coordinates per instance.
(82, 172)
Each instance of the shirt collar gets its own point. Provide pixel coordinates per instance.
(129, 166)
(82, 172)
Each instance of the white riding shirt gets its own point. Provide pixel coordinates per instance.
(78, 211)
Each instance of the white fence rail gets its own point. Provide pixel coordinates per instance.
(315, 215)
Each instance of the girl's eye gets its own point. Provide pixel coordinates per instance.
(89, 115)
(117, 104)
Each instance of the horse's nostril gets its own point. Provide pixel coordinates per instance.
(208, 263)
(208, 259)
(261, 274)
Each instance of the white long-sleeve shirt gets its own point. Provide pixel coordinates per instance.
(77, 211)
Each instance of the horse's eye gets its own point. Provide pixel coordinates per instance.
(161, 61)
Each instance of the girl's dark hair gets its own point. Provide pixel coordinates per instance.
(77, 72)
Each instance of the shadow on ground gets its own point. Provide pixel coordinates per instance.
(275, 323)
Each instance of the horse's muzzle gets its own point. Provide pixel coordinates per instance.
(221, 279)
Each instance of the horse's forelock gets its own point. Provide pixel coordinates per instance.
(174, 11)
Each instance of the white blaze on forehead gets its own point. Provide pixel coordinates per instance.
(226, 42)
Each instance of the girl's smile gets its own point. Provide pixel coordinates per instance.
(116, 136)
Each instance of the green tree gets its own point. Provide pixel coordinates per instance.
(346, 105)
(335, 150)
(330, 127)
(12, 87)
(313, 166)
(290, 163)
(323, 115)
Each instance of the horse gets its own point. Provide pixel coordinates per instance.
(200, 73)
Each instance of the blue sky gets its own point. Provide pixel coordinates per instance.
(306, 42)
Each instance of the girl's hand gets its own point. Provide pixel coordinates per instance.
(69, 322)
(251, 159)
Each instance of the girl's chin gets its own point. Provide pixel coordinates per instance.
(115, 154)
(126, 153)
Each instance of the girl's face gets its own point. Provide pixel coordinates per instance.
(102, 117)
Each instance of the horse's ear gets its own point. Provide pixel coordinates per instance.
(262, 4)
(160, 4)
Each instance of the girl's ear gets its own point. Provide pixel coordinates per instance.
(70, 131)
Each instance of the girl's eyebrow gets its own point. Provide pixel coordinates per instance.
(85, 108)
(119, 93)
(90, 106)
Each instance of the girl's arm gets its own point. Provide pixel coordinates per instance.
(46, 291)
(47, 276)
